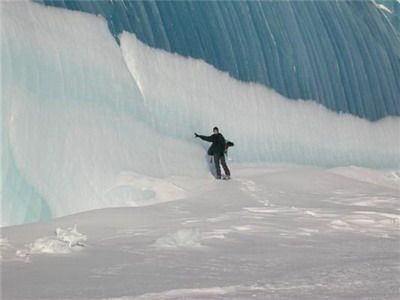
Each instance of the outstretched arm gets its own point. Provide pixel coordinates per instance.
(205, 138)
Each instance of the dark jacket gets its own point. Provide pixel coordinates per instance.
(218, 143)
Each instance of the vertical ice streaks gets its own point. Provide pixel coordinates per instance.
(342, 54)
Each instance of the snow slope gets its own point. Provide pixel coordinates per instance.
(273, 232)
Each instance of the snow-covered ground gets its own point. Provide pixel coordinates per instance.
(272, 232)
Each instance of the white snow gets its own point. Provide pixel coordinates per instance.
(132, 189)
(272, 232)
(378, 177)
(4, 245)
(181, 238)
(204, 293)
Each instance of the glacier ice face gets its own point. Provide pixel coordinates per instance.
(342, 54)
(79, 112)
(265, 125)
(72, 117)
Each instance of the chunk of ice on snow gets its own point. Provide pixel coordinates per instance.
(71, 236)
(63, 243)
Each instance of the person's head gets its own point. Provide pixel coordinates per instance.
(215, 130)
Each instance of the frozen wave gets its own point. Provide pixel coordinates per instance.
(342, 54)
(72, 117)
(78, 111)
(185, 93)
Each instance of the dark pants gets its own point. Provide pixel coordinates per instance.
(217, 159)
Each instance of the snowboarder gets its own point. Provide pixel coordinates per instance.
(217, 150)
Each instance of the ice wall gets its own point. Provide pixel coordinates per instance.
(185, 94)
(87, 123)
(342, 54)
(72, 119)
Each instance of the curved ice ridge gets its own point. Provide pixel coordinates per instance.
(188, 94)
(342, 54)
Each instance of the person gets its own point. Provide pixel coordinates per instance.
(217, 150)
